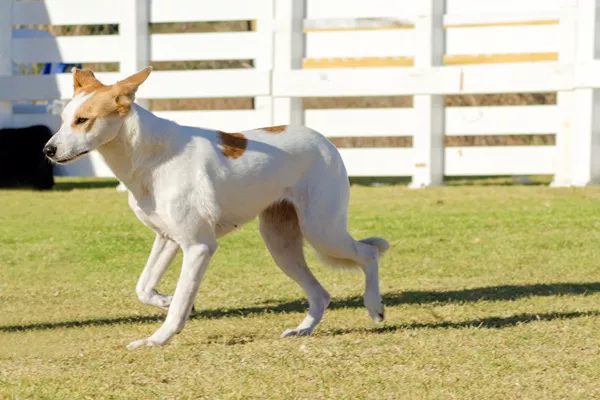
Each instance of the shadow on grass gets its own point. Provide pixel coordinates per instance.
(492, 293)
(68, 185)
(487, 323)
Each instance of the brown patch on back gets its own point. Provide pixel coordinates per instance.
(233, 144)
(274, 129)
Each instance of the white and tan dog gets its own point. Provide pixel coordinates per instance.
(192, 186)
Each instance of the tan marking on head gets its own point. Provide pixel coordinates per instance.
(102, 104)
(274, 129)
(233, 144)
(116, 99)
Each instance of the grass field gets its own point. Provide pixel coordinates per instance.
(492, 292)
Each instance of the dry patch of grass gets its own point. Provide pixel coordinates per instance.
(492, 292)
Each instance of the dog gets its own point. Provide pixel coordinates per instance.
(192, 186)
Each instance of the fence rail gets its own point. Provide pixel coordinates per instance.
(435, 48)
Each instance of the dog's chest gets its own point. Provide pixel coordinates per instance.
(149, 217)
(154, 222)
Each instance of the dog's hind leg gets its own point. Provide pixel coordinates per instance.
(341, 250)
(323, 218)
(279, 229)
(162, 254)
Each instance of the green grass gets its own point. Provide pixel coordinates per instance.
(492, 292)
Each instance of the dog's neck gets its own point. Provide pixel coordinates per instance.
(130, 153)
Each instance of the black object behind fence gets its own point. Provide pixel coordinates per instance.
(22, 163)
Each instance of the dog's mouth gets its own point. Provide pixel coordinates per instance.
(68, 160)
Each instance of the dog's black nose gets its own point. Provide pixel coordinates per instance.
(49, 150)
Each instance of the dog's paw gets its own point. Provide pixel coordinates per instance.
(296, 332)
(153, 298)
(162, 300)
(378, 318)
(143, 342)
(375, 306)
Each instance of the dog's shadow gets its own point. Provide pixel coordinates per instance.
(492, 293)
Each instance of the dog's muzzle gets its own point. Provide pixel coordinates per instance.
(49, 150)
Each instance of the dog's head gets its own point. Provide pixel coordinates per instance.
(94, 116)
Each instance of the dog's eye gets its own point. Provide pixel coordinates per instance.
(80, 121)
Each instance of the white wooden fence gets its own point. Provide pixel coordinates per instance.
(281, 42)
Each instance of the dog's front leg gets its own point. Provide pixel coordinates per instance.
(195, 261)
(162, 254)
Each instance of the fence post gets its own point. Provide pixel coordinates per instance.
(585, 155)
(135, 36)
(6, 68)
(289, 54)
(264, 61)
(565, 100)
(428, 139)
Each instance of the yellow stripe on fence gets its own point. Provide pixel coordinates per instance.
(373, 62)
(450, 26)
(364, 62)
(513, 23)
(499, 58)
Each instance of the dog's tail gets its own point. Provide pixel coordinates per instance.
(382, 245)
(363, 248)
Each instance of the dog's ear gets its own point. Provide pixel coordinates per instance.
(126, 89)
(84, 79)
(130, 84)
